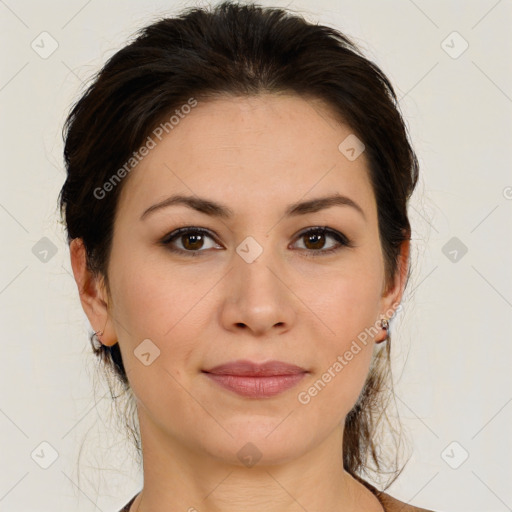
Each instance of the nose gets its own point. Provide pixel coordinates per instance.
(257, 298)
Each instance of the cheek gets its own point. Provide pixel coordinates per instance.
(166, 304)
(151, 296)
(347, 316)
(155, 304)
(347, 299)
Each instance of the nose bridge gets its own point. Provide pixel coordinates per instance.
(256, 265)
(257, 298)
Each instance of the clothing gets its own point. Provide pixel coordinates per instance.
(128, 505)
(389, 504)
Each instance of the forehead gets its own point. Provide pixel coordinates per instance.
(265, 150)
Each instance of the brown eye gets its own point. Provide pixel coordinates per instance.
(315, 241)
(191, 240)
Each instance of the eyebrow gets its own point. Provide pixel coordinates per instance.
(214, 209)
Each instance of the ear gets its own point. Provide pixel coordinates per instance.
(392, 296)
(93, 293)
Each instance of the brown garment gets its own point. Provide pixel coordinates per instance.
(128, 505)
(389, 504)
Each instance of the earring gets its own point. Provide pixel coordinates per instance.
(99, 343)
(100, 333)
(384, 325)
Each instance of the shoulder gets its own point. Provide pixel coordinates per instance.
(391, 504)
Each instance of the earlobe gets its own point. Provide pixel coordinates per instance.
(92, 293)
(384, 325)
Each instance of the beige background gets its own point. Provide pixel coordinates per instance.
(453, 339)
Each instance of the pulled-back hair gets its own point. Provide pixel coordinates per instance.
(240, 50)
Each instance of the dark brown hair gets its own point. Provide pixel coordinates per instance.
(240, 50)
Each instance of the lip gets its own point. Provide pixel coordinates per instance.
(246, 368)
(256, 380)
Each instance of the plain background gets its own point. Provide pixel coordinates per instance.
(452, 343)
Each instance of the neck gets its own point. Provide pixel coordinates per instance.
(183, 478)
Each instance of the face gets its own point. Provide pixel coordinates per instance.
(256, 283)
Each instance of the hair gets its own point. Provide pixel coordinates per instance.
(239, 50)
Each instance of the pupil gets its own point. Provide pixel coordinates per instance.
(319, 240)
(195, 238)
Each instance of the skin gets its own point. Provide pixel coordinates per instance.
(257, 156)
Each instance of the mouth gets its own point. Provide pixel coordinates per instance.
(254, 380)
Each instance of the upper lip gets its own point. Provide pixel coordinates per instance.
(253, 369)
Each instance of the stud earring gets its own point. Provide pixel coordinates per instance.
(100, 333)
(384, 325)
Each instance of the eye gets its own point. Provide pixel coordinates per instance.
(191, 239)
(315, 240)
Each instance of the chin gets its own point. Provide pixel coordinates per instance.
(260, 442)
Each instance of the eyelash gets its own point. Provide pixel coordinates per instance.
(342, 240)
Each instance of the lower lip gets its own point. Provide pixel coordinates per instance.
(257, 387)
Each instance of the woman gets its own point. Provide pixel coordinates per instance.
(236, 207)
